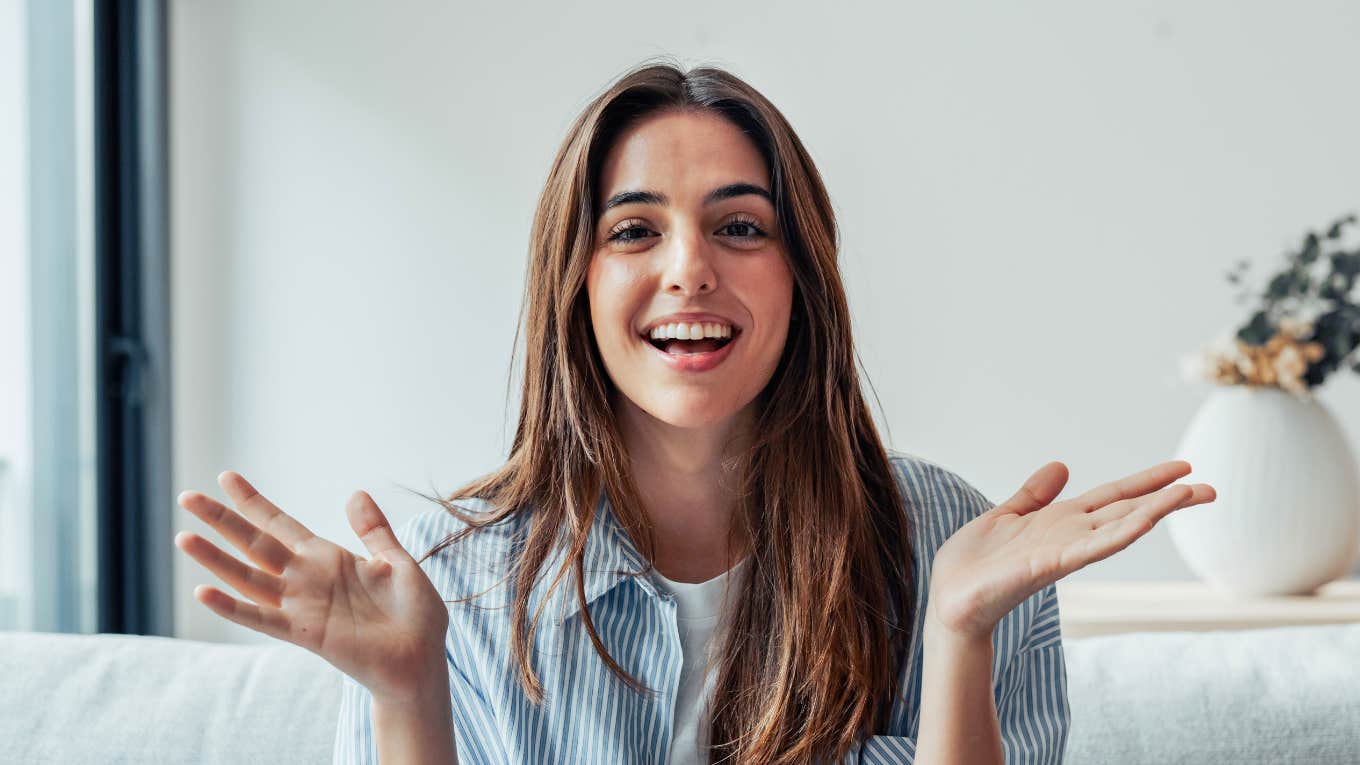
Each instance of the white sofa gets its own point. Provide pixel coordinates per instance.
(1286, 695)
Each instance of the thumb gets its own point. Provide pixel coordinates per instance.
(1039, 491)
(371, 525)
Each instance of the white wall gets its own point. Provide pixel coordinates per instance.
(1038, 206)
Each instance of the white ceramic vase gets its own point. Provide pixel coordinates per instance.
(1287, 516)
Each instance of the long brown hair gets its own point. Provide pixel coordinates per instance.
(818, 633)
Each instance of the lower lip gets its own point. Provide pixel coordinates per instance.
(694, 362)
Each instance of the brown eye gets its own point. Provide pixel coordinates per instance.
(743, 228)
(629, 234)
(629, 230)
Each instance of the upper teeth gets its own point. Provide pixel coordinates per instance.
(690, 331)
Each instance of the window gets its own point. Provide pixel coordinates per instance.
(47, 455)
(84, 453)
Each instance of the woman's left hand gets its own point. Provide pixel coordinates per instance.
(1024, 544)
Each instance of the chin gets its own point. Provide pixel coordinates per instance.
(700, 413)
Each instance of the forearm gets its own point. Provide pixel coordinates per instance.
(416, 730)
(958, 714)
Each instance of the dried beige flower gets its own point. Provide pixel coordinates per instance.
(1296, 328)
(1281, 362)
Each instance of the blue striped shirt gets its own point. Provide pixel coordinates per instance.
(590, 716)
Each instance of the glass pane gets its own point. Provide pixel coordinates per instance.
(47, 465)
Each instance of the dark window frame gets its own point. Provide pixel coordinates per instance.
(132, 322)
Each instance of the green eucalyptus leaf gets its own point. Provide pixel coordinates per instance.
(1279, 286)
(1310, 249)
(1347, 263)
(1257, 331)
(1334, 232)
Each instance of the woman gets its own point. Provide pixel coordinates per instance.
(698, 539)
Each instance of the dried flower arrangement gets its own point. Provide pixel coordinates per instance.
(1304, 328)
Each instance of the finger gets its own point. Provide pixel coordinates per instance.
(1203, 493)
(1192, 495)
(1135, 485)
(270, 621)
(261, 511)
(1200, 493)
(263, 549)
(259, 586)
(1038, 491)
(1109, 538)
(368, 521)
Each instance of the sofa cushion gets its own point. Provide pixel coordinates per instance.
(132, 699)
(1289, 694)
(1279, 695)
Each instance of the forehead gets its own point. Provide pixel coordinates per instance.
(682, 153)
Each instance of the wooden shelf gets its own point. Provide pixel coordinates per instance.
(1106, 608)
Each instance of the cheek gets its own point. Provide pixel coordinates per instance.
(614, 291)
(769, 284)
(771, 299)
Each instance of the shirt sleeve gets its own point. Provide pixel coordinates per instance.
(354, 742)
(1031, 697)
(1030, 692)
(474, 732)
(1031, 702)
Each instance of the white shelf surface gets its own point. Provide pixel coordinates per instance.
(1105, 608)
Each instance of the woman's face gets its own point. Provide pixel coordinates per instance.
(689, 287)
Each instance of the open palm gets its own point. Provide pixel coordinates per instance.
(997, 560)
(379, 620)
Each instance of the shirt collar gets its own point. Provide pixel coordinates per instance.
(608, 557)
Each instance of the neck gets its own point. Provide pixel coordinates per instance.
(679, 475)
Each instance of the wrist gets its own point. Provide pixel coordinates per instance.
(416, 727)
(957, 633)
(426, 681)
(958, 720)
(963, 615)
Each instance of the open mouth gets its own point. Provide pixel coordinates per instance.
(676, 347)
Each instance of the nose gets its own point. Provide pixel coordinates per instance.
(689, 268)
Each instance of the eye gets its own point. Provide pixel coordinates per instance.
(744, 228)
(630, 230)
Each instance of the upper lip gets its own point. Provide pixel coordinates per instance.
(688, 318)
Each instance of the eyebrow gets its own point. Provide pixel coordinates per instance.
(648, 197)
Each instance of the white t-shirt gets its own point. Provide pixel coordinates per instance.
(698, 608)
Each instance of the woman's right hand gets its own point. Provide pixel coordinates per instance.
(379, 620)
